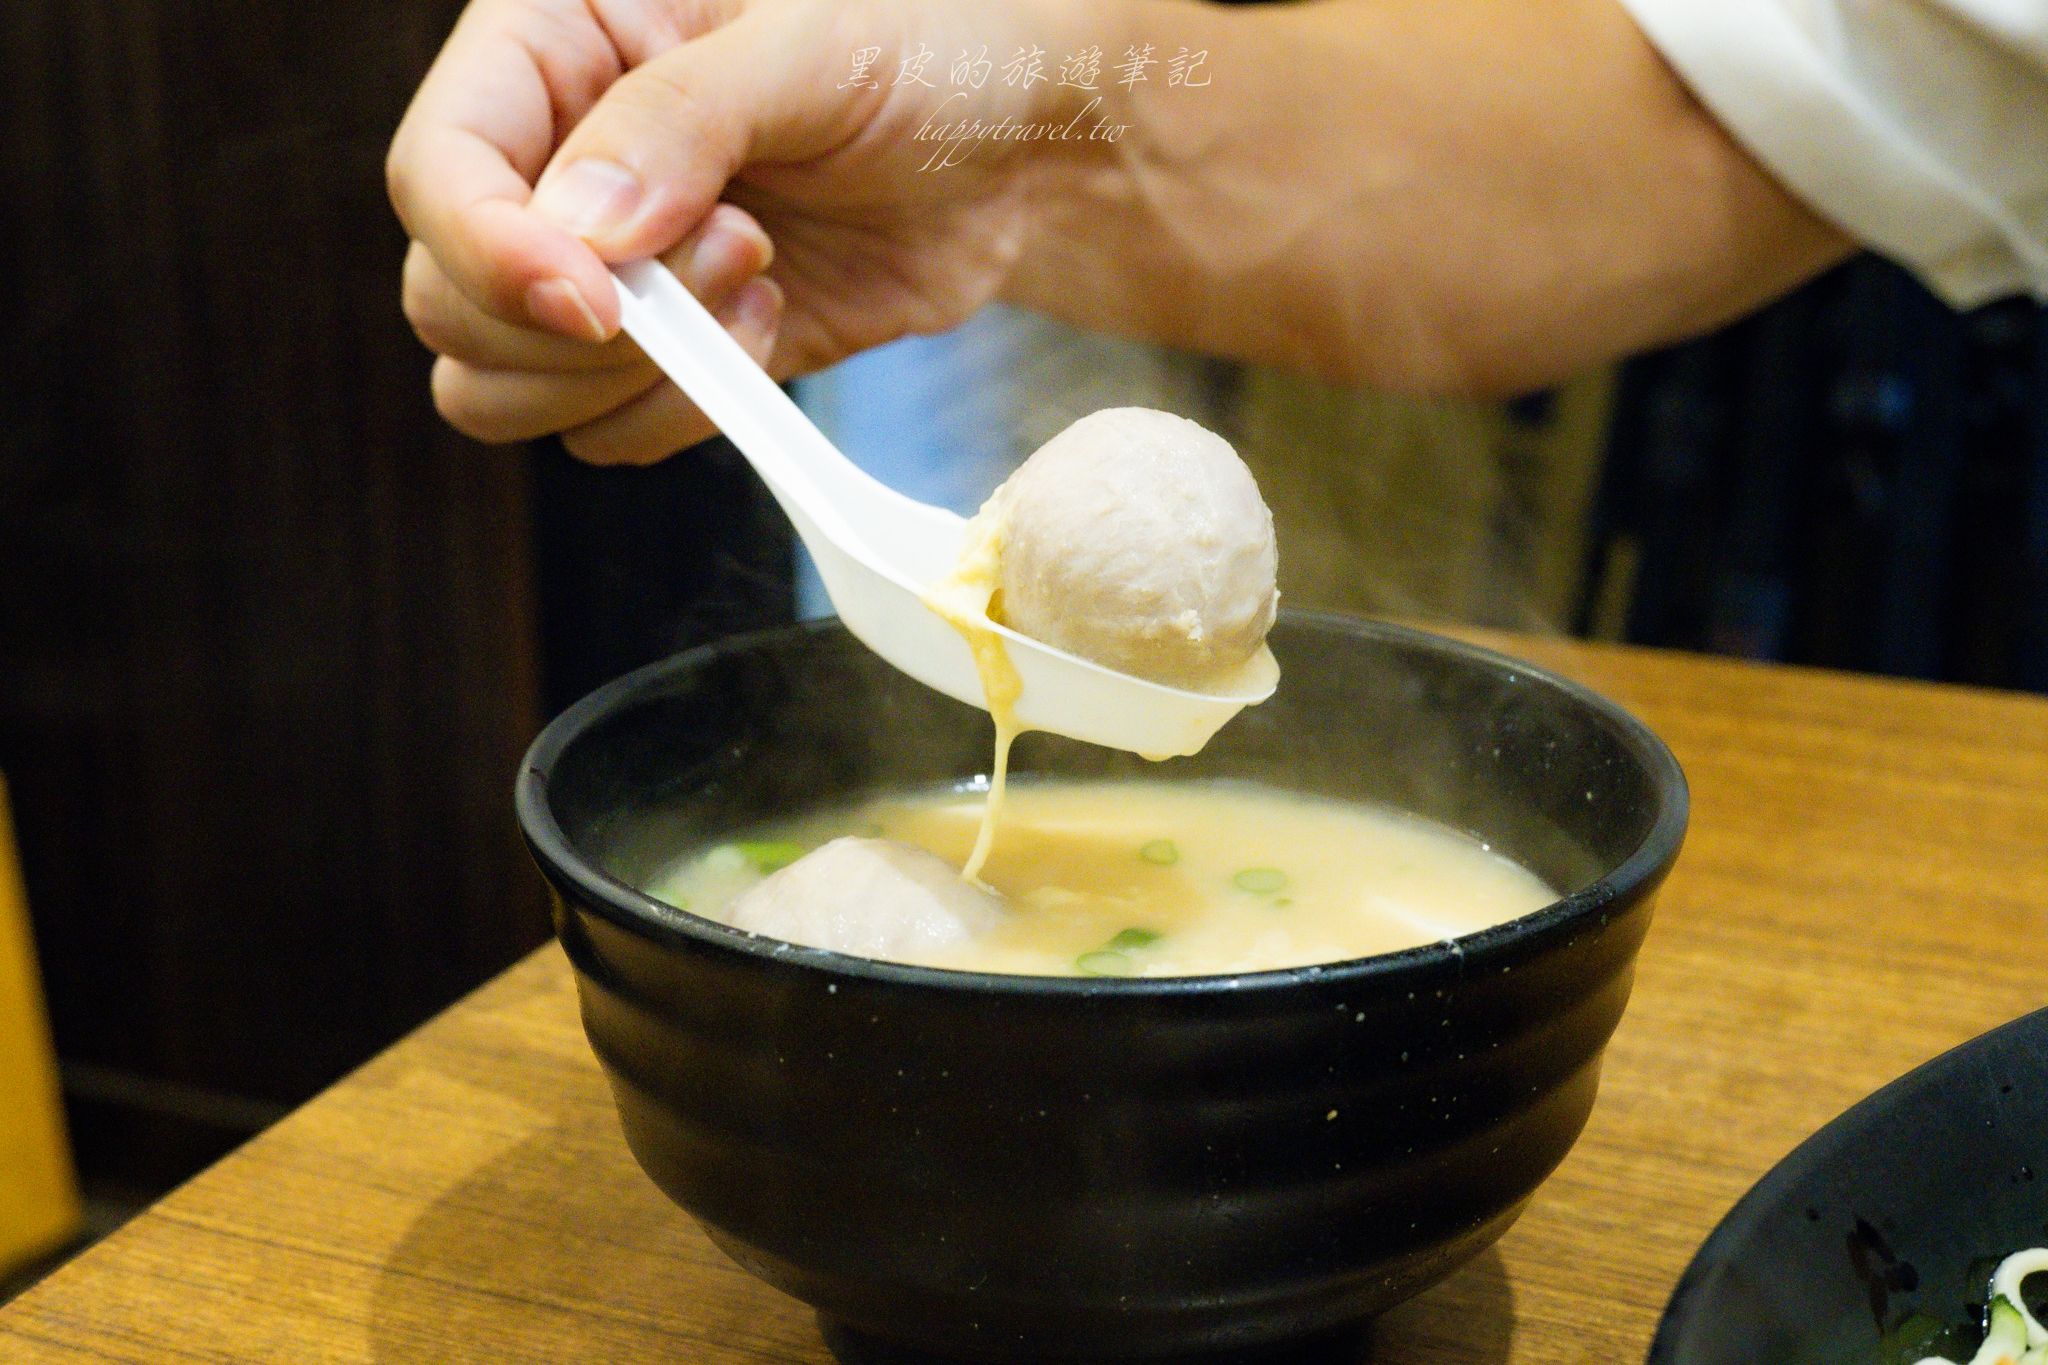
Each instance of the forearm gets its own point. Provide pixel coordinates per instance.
(1420, 194)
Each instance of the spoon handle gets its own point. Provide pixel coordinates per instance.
(820, 489)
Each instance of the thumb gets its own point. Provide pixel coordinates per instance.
(653, 155)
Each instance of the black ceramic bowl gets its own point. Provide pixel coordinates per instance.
(1890, 1217)
(1038, 1169)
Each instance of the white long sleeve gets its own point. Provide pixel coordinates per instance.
(1920, 127)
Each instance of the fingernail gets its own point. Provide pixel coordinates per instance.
(588, 197)
(559, 305)
(713, 261)
(758, 307)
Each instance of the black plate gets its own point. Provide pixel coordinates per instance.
(1900, 1206)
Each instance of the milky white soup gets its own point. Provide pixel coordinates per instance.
(1161, 879)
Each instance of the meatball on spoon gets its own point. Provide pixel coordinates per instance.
(882, 554)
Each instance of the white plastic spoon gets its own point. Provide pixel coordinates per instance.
(878, 550)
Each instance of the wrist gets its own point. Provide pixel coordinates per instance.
(1119, 210)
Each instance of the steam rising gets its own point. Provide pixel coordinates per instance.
(1423, 508)
(1382, 505)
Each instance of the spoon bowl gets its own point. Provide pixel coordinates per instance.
(879, 551)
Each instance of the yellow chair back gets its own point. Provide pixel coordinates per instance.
(39, 1209)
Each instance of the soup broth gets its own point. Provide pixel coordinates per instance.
(1161, 878)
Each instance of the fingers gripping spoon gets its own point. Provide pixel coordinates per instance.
(879, 551)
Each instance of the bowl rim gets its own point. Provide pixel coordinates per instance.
(633, 910)
(1817, 1151)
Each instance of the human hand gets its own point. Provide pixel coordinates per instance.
(553, 137)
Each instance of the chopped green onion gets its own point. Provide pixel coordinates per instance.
(1282, 902)
(771, 855)
(1918, 1337)
(1160, 851)
(1260, 881)
(1133, 938)
(1104, 962)
(2005, 1333)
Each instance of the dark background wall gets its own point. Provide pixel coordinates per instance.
(268, 628)
(1856, 477)
(272, 638)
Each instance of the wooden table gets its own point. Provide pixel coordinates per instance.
(1865, 884)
